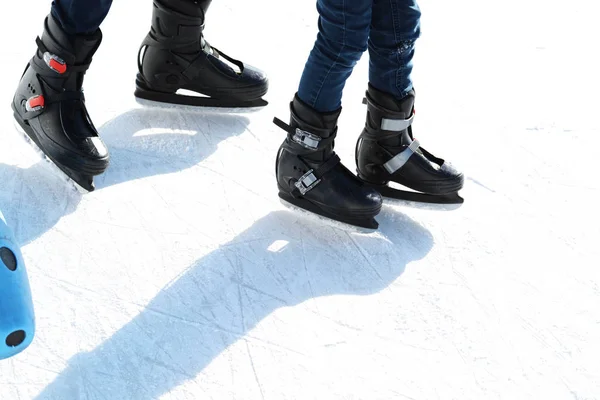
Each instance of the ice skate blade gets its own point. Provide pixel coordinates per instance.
(449, 202)
(200, 110)
(364, 225)
(58, 171)
(196, 102)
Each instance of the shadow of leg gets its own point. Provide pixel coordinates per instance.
(145, 142)
(278, 262)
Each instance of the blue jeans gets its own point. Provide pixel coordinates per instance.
(80, 16)
(347, 28)
(85, 16)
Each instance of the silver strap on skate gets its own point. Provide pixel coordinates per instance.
(396, 125)
(307, 182)
(306, 139)
(400, 159)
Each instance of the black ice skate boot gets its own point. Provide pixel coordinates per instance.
(50, 107)
(386, 151)
(311, 176)
(174, 55)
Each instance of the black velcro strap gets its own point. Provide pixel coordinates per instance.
(70, 61)
(283, 125)
(64, 96)
(41, 46)
(195, 67)
(314, 176)
(327, 165)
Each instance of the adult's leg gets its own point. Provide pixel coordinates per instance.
(80, 16)
(386, 150)
(309, 173)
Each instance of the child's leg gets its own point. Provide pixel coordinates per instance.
(80, 16)
(395, 27)
(341, 41)
(309, 173)
(386, 149)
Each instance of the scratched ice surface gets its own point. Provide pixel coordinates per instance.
(184, 277)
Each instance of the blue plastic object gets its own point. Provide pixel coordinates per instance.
(17, 319)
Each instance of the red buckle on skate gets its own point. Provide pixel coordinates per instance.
(35, 103)
(55, 63)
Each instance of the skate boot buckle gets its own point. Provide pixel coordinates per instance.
(34, 103)
(307, 182)
(55, 63)
(306, 139)
(401, 158)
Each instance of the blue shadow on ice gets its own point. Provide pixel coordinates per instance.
(34, 199)
(282, 260)
(142, 142)
(145, 142)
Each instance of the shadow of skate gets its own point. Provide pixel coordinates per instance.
(142, 142)
(422, 205)
(145, 142)
(282, 260)
(34, 199)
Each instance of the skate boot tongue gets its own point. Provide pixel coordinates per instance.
(387, 107)
(321, 124)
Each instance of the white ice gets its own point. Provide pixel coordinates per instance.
(184, 277)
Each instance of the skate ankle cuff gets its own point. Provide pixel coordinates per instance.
(396, 125)
(308, 140)
(60, 65)
(171, 27)
(388, 122)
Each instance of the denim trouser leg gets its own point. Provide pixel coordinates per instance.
(341, 41)
(80, 16)
(346, 27)
(395, 26)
